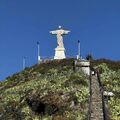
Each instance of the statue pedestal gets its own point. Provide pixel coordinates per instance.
(59, 53)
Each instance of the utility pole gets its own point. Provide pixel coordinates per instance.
(78, 56)
(38, 47)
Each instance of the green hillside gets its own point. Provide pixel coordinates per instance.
(50, 91)
(53, 91)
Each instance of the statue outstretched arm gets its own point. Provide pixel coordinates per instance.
(53, 32)
(66, 31)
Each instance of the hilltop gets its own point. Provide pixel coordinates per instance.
(54, 91)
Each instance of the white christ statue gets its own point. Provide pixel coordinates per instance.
(59, 34)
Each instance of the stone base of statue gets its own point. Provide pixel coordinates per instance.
(59, 53)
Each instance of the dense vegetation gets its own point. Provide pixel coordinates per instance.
(53, 91)
(113, 65)
(111, 83)
(49, 91)
(110, 78)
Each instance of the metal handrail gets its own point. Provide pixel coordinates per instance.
(90, 97)
(105, 114)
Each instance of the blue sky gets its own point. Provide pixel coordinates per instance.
(96, 23)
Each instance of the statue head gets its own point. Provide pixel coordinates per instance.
(60, 27)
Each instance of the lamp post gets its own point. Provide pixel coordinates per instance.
(78, 56)
(38, 47)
